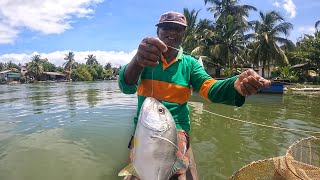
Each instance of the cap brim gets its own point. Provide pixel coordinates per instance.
(173, 22)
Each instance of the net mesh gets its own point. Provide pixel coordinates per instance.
(301, 161)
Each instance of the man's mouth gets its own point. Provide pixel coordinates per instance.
(171, 38)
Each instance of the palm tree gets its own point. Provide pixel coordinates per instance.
(230, 43)
(68, 64)
(108, 66)
(91, 60)
(225, 42)
(267, 37)
(2, 66)
(188, 40)
(204, 38)
(11, 65)
(316, 25)
(223, 8)
(35, 66)
(200, 38)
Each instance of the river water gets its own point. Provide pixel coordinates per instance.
(80, 130)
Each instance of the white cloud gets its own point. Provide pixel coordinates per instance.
(7, 34)
(299, 32)
(45, 16)
(288, 6)
(115, 58)
(276, 4)
(306, 30)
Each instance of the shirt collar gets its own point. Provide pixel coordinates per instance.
(180, 53)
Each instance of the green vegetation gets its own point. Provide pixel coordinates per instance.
(90, 71)
(230, 40)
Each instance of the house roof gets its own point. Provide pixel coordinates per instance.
(55, 73)
(6, 71)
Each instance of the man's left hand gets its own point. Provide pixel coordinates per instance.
(249, 82)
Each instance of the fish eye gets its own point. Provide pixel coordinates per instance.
(161, 110)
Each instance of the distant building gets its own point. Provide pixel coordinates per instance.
(9, 76)
(53, 76)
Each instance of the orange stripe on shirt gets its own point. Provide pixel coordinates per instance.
(205, 87)
(164, 91)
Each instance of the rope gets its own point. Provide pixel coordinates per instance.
(248, 122)
(262, 125)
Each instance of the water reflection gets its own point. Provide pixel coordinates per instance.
(46, 155)
(71, 98)
(92, 97)
(223, 145)
(81, 130)
(64, 131)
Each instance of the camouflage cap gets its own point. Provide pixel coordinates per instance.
(173, 17)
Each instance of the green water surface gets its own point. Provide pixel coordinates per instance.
(80, 131)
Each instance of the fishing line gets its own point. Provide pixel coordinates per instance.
(248, 122)
(152, 83)
(257, 124)
(153, 69)
(178, 49)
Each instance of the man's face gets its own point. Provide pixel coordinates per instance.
(171, 34)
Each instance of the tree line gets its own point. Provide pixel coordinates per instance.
(230, 40)
(89, 71)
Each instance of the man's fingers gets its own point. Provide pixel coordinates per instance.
(251, 72)
(149, 48)
(150, 63)
(242, 76)
(157, 43)
(265, 82)
(249, 82)
(149, 52)
(148, 55)
(254, 83)
(258, 81)
(250, 86)
(147, 59)
(244, 90)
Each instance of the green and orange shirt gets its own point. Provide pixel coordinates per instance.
(172, 85)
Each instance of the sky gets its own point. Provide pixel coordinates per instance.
(111, 29)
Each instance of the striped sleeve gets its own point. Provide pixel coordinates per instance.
(200, 80)
(217, 91)
(223, 91)
(124, 87)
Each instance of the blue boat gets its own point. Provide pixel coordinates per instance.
(276, 87)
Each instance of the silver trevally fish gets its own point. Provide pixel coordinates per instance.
(155, 144)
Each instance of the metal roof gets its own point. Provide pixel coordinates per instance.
(55, 73)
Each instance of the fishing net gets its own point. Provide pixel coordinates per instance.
(301, 161)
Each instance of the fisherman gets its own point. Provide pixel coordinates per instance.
(160, 69)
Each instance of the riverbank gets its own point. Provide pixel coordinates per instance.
(83, 128)
(302, 87)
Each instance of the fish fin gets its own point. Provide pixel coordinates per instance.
(135, 141)
(180, 166)
(129, 170)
